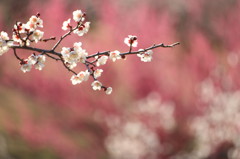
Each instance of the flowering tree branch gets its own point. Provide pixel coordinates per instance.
(26, 33)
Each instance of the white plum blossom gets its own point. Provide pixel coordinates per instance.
(102, 60)
(77, 15)
(146, 56)
(16, 38)
(97, 73)
(37, 60)
(4, 43)
(77, 45)
(83, 29)
(115, 55)
(36, 20)
(33, 23)
(20, 27)
(80, 77)
(26, 66)
(37, 35)
(96, 85)
(74, 55)
(40, 62)
(131, 40)
(108, 90)
(66, 24)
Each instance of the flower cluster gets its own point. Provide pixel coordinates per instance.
(26, 33)
(74, 55)
(33, 60)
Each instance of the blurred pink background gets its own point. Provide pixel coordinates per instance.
(185, 104)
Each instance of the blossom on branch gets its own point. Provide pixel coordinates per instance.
(78, 15)
(115, 55)
(131, 41)
(37, 35)
(24, 34)
(102, 60)
(4, 42)
(82, 29)
(108, 90)
(146, 56)
(96, 85)
(80, 77)
(97, 73)
(66, 24)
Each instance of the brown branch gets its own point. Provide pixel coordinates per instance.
(15, 53)
(67, 34)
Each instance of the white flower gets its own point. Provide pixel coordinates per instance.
(4, 44)
(20, 27)
(115, 55)
(32, 59)
(31, 26)
(66, 25)
(83, 29)
(77, 45)
(96, 85)
(36, 20)
(77, 15)
(26, 67)
(40, 62)
(146, 56)
(16, 38)
(37, 35)
(82, 56)
(108, 90)
(75, 79)
(80, 77)
(4, 35)
(39, 66)
(102, 60)
(131, 41)
(97, 73)
(65, 51)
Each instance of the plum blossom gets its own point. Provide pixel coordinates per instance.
(146, 56)
(20, 27)
(37, 60)
(26, 66)
(102, 60)
(82, 29)
(96, 85)
(35, 20)
(33, 23)
(40, 62)
(4, 43)
(115, 55)
(74, 55)
(131, 40)
(37, 35)
(80, 77)
(77, 15)
(97, 73)
(66, 24)
(108, 90)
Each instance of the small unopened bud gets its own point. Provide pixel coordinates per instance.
(38, 14)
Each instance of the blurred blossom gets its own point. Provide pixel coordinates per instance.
(132, 140)
(159, 113)
(220, 122)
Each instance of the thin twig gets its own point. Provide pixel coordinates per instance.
(65, 35)
(15, 53)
